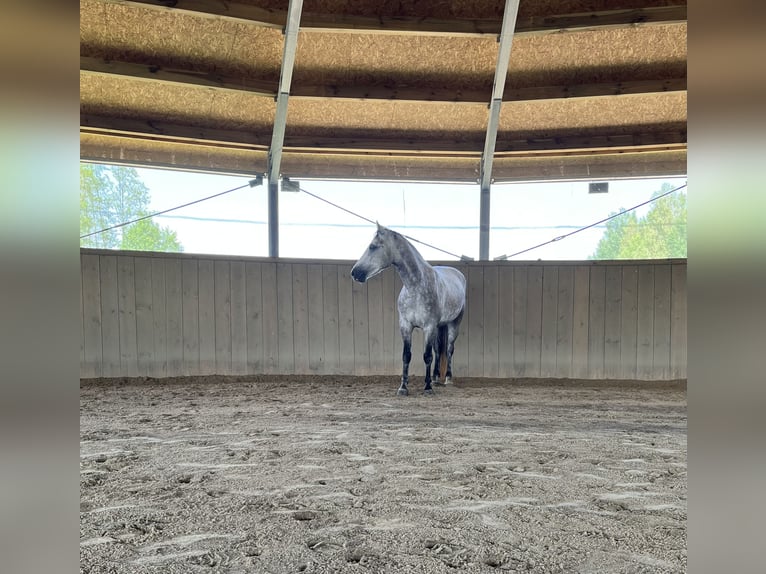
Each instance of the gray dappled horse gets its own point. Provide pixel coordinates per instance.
(432, 298)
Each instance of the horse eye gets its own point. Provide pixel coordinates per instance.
(373, 247)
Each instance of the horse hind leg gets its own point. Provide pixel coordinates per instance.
(452, 333)
(440, 365)
(448, 375)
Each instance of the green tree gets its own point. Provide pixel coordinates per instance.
(614, 236)
(110, 195)
(95, 212)
(660, 234)
(142, 234)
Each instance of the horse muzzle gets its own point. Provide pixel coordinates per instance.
(358, 275)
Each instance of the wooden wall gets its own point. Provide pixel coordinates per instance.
(165, 315)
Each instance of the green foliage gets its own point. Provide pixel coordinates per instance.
(660, 234)
(110, 195)
(145, 235)
(616, 233)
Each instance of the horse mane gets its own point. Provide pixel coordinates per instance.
(410, 249)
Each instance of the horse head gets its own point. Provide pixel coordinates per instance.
(378, 255)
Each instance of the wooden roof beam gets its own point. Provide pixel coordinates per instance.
(172, 131)
(181, 77)
(619, 164)
(457, 96)
(214, 81)
(534, 25)
(467, 145)
(419, 26)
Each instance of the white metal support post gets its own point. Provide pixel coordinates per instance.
(280, 120)
(501, 71)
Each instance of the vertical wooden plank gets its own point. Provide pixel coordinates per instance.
(238, 318)
(126, 288)
(300, 319)
(222, 309)
(254, 321)
(361, 329)
(285, 347)
(520, 292)
(90, 290)
(612, 308)
(159, 318)
(82, 325)
(549, 318)
(331, 318)
(580, 321)
(661, 368)
(190, 314)
(645, 323)
(491, 310)
(144, 316)
(629, 322)
(206, 280)
(678, 321)
(505, 325)
(175, 324)
(565, 321)
(391, 362)
(110, 320)
(314, 281)
(269, 305)
(375, 325)
(596, 312)
(532, 356)
(475, 295)
(345, 321)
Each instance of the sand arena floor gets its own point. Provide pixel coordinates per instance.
(338, 474)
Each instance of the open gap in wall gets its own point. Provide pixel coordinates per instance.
(334, 220)
(542, 220)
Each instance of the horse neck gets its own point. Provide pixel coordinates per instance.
(410, 265)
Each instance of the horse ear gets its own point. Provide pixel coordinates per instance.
(380, 227)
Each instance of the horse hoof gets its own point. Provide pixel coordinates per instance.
(402, 392)
(439, 384)
(448, 381)
(428, 391)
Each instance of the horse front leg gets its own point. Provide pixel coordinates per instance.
(440, 355)
(406, 357)
(429, 340)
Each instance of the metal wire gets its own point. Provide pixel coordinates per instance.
(251, 183)
(560, 237)
(327, 201)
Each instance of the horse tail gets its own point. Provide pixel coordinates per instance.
(441, 345)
